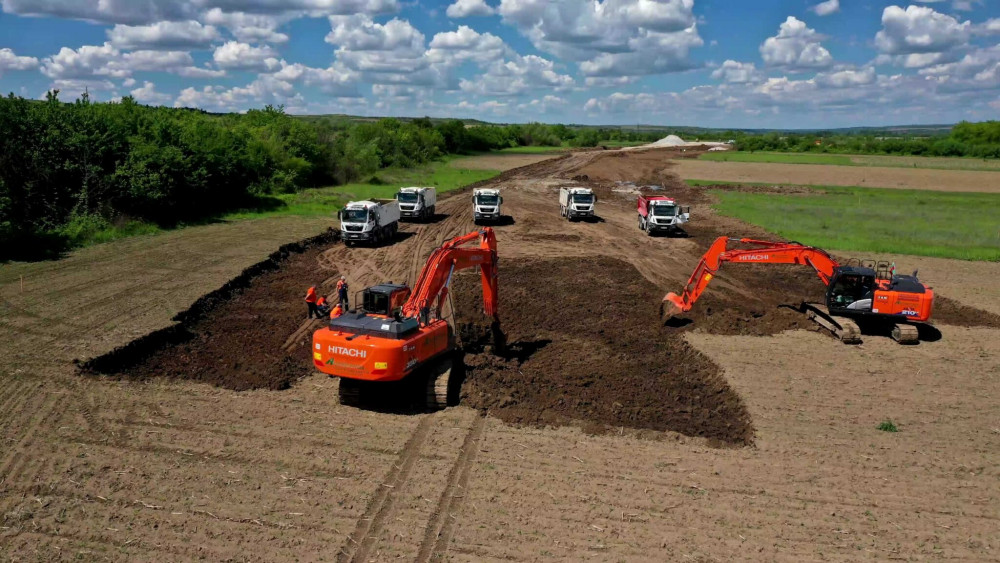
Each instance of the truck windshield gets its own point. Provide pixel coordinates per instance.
(407, 197)
(585, 199)
(664, 210)
(487, 199)
(354, 216)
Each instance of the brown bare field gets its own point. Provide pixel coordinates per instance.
(168, 469)
(827, 175)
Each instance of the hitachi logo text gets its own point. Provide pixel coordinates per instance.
(755, 257)
(352, 352)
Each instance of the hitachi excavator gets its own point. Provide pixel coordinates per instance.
(399, 333)
(854, 293)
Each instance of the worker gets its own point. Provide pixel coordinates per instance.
(311, 299)
(337, 311)
(322, 305)
(342, 292)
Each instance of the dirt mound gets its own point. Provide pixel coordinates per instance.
(233, 337)
(951, 312)
(586, 347)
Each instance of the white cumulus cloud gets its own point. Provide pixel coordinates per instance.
(468, 8)
(147, 94)
(242, 56)
(736, 72)
(920, 30)
(796, 48)
(11, 61)
(826, 8)
(163, 35)
(611, 38)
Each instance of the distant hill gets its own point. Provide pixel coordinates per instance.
(685, 131)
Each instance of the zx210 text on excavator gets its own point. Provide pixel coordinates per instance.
(854, 293)
(399, 332)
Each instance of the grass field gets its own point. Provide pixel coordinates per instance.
(936, 163)
(442, 174)
(925, 223)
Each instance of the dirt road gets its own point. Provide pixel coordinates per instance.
(824, 175)
(174, 469)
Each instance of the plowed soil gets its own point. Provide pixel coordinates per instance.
(585, 347)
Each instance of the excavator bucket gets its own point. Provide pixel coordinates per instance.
(671, 306)
(499, 339)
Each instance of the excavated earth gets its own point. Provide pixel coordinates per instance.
(579, 305)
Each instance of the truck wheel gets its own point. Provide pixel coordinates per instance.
(641, 226)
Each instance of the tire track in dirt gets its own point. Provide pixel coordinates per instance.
(365, 533)
(438, 533)
(16, 456)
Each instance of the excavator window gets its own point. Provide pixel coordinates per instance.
(385, 299)
(848, 288)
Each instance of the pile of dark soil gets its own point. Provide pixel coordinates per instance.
(586, 346)
(951, 312)
(233, 337)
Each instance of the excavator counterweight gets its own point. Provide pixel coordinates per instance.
(854, 293)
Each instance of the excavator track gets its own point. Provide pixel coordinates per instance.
(906, 334)
(843, 328)
(438, 383)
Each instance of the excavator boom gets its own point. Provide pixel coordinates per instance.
(435, 277)
(762, 252)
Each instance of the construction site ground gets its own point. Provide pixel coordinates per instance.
(602, 435)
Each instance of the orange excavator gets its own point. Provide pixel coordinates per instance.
(866, 292)
(399, 333)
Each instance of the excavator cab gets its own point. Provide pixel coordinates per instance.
(851, 289)
(386, 299)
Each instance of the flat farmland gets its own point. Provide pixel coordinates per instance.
(834, 175)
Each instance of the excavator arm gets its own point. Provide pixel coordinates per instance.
(435, 278)
(763, 252)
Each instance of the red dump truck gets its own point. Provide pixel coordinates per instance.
(661, 214)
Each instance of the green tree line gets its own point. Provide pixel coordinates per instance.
(68, 170)
(980, 140)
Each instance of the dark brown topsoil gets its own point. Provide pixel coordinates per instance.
(586, 346)
(236, 340)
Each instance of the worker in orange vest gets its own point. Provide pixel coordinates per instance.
(342, 292)
(311, 300)
(337, 311)
(322, 305)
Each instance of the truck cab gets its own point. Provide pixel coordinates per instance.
(369, 221)
(417, 203)
(575, 203)
(486, 205)
(661, 214)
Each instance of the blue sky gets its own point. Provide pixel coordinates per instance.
(722, 63)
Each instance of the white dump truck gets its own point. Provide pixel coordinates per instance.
(372, 221)
(661, 214)
(486, 205)
(417, 203)
(575, 203)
